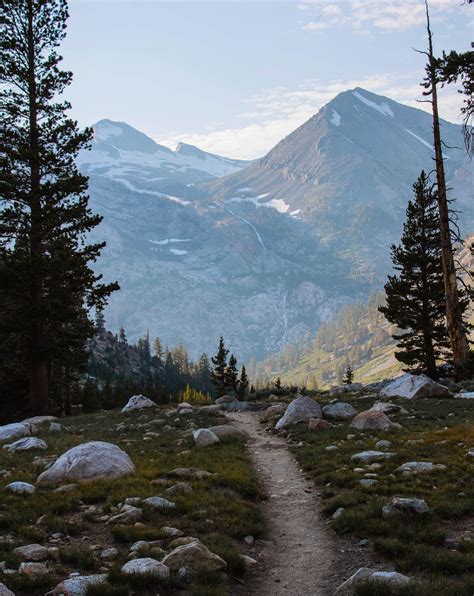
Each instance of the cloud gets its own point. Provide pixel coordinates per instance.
(276, 112)
(386, 15)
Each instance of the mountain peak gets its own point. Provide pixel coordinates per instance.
(186, 149)
(123, 136)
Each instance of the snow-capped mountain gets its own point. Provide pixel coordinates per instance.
(265, 253)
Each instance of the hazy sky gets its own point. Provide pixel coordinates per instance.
(236, 77)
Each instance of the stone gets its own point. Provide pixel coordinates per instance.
(338, 513)
(364, 574)
(367, 481)
(250, 540)
(4, 591)
(16, 430)
(386, 407)
(383, 444)
(146, 566)
(55, 427)
(109, 554)
(470, 453)
(21, 488)
(212, 409)
(159, 503)
(203, 437)
(272, 412)
(26, 444)
(300, 409)
(341, 389)
(66, 488)
(318, 424)
(184, 406)
(248, 561)
(339, 411)
(373, 420)
(368, 457)
(32, 552)
(465, 395)
(139, 545)
(194, 555)
(242, 406)
(419, 467)
(127, 516)
(195, 473)
(227, 431)
(185, 576)
(225, 399)
(78, 585)
(180, 488)
(171, 532)
(38, 420)
(138, 402)
(414, 387)
(89, 461)
(399, 505)
(30, 568)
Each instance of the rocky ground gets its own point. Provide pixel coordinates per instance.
(355, 490)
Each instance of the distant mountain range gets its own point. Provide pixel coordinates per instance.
(261, 252)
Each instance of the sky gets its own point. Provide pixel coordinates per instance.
(234, 78)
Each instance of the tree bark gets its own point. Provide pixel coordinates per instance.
(454, 321)
(39, 382)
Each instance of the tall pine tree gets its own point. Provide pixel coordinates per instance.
(231, 374)
(218, 373)
(415, 296)
(243, 384)
(44, 217)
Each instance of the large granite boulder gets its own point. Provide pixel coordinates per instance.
(339, 411)
(203, 437)
(16, 430)
(146, 566)
(373, 420)
(88, 462)
(78, 585)
(138, 402)
(414, 386)
(301, 409)
(401, 505)
(227, 431)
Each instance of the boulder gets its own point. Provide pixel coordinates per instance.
(171, 532)
(194, 555)
(243, 406)
(371, 576)
(26, 444)
(146, 566)
(212, 409)
(33, 568)
(341, 389)
(180, 488)
(37, 420)
(272, 413)
(419, 467)
(138, 402)
(127, 516)
(194, 473)
(318, 424)
(4, 591)
(373, 420)
(109, 554)
(203, 437)
(55, 427)
(369, 457)
(465, 395)
(184, 405)
(16, 430)
(382, 444)
(78, 585)
(339, 411)
(300, 409)
(399, 505)
(31, 552)
(225, 399)
(413, 387)
(21, 488)
(88, 462)
(227, 431)
(159, 503)
(386, 407)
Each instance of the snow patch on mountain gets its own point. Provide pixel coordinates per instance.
(382, 108)
(420, 139)
(335, 118)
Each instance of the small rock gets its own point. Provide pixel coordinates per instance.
(368, 457)
(21, 488)
(26, 444)
(55, 427)
(338, 513)
(109, 554)
(367, 481)
(180, 488)
(32, 552)
(373, 420)
(77, 585)
(66, 488)
(227, 431)
(159, 503)
(171, 532)
(194, 555)
(28, 568)
(399, 505)
(318, 424)
(185, 576)
(127, 517)
(16, 430)
(419, 467)
(138, 402)
(339, 411)
(250, 540)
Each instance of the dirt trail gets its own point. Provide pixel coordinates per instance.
(301, 557)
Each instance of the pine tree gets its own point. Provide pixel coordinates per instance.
(45, 216)
(415, 297)
(453, 301)
(100, 321)
(349, 375)
(218, 374)
(157, 348)
(203, 374)
(122, 336)
(243, 384)
(231, 374)
(277, 384)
